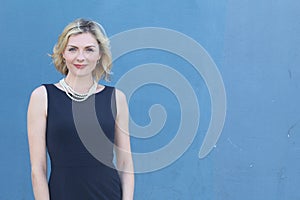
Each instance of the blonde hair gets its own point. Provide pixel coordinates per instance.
(79, 26)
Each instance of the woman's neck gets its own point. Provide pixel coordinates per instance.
(80, 84)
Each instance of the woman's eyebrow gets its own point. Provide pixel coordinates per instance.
(70, 45)
(90, 46)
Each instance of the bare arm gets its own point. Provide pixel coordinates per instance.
(36, 126)
(123, 149)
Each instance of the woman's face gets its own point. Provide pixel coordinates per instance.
(81, 54)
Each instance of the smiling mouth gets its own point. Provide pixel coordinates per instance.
(78, 66)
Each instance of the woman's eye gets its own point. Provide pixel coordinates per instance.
(90, 50)
(72, 49)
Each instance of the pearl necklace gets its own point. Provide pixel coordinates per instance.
(79, 97)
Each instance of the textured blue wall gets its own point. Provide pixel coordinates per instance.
(255, 45)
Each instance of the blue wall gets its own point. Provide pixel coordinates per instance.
(255, 45)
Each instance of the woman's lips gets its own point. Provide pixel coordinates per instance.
(79, 66)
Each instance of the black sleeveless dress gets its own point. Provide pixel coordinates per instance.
(76, 171)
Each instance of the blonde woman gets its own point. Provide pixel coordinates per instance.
(82, 54)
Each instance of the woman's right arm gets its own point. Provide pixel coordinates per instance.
(36, 126)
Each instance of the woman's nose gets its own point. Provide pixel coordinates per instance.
(80, 56)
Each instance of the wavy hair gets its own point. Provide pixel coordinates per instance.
(103, 67)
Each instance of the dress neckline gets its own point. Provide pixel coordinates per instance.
(65, 92)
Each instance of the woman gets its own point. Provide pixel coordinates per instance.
(81, 54)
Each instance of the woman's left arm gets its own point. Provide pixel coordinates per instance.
(123, 149)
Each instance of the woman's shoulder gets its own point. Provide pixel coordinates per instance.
(113, 88)
(39, 93)
(38, 100)
(120, 96)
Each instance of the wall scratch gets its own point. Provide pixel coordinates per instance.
(290, 74)
(290, 130)
(234, 145)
